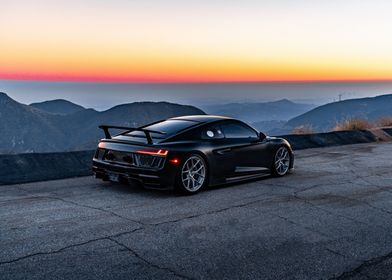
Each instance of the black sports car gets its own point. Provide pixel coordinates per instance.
(189, 153)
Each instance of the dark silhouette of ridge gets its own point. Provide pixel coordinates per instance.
(39, 129)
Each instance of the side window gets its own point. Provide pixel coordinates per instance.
(238, 130)
(213, 132)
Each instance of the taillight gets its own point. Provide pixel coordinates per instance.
(159, 152)
(99, 153)
(174, 161)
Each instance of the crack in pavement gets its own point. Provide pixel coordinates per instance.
(363, 265)
(300, 225)
(77, 204)
(333, 213)
(96, 208)
(70, 246)
(338, 253)
(210, 212)
(22, 198)
(160, 223)
(137, 255)
(317, 186)
(145, 226)
(318, 232)
(382, 188)
(295, 194)
(342, 197)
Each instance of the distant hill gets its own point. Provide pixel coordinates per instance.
(269, 127)
(256, 112)
(85, 123)
(25, 129)
(28, 129)
(324, 118)
(58, 106)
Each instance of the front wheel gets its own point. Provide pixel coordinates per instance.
(193, 175)
(282, 160)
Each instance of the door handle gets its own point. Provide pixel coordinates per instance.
(221, 152)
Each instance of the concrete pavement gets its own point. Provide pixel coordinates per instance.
(330, 219)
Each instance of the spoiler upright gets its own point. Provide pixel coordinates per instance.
(147, 132)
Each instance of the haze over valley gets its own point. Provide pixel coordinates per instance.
(102, 96)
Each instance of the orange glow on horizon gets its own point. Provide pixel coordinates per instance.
(177, 41)
(163, 80)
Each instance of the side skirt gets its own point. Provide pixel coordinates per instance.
(247, 177)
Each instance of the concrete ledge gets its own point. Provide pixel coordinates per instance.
(388, 130)
(23, 168)
(336, 138)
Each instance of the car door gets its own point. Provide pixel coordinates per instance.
(244, 146)
(222, 160)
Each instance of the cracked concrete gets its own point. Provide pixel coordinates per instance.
(330, 219)
(148, 262)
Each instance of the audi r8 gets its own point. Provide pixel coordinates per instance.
(190, 153)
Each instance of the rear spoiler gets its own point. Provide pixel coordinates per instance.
(147, 132)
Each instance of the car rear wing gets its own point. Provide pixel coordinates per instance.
(147, 132)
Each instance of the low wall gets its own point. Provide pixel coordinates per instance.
(23, 168)
(336, 138)
(388, 130)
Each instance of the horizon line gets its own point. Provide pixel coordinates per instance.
(114, 81)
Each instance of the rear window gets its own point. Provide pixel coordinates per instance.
(168, 127)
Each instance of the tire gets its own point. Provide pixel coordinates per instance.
(281, 162)
(192, 176)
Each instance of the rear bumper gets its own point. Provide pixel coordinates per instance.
(152, 178)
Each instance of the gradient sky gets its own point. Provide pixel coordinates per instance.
(188, 41)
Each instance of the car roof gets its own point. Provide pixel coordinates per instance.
(201, 118)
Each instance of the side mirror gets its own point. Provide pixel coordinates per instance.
(262, 136)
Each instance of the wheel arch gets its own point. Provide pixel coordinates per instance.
(291, 154)
(208, 165)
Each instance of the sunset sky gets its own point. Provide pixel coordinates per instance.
(195, 40)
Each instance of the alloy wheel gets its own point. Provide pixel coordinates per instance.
(282, 161)
(193, 173)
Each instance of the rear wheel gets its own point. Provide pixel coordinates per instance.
(193, 175)
(282, 160)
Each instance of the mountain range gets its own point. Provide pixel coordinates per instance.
(50, 126)
(325, 117)
(60, 125)
(58, 106)
(280, 110)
